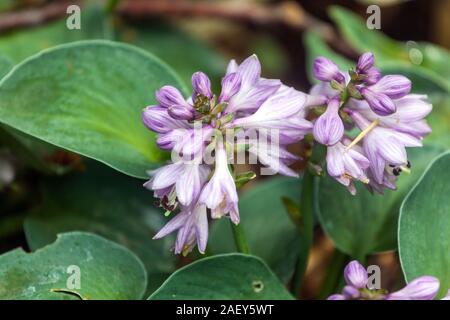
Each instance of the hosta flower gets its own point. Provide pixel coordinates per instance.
(177, 182)
(263, 116)
(346, 165)
(385, 148)
(388, 117)
(411, 110)
(192, 226)
(356, 278)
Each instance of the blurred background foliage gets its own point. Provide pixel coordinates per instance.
(56, 191)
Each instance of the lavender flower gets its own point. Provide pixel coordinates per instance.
(220, 194)
(192, 226)
(177, 183)
(194, 129)
(384, 147)
(356, 278)
(346, 165)
(411, 109)
(388, 117)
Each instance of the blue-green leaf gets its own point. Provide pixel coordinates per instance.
(223, 277)
(87, 97)
(78, 265)
(424, 227)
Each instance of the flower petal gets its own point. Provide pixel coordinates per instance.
(250, 71)
(422, 288)
(168, 96)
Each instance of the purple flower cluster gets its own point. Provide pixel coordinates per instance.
(389, 119)
(200, 181)
(195, 127)
(422, 288)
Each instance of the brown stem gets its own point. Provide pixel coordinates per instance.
(34, 16)
(288, 14)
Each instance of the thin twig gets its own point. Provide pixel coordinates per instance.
(288, 13)
(34, 16)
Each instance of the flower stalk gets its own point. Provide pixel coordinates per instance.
(306, 224)
(239, 238)
(306, 230)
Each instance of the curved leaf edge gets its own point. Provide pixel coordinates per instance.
(59, 238)
(192, 265)
(439, 157)
(112, 44)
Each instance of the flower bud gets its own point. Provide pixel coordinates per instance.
(201, 84)
(365, 62)
(380, 103)
(157, 119)
(326, 70)
(181, 112)
(393, 86)
(373, 75)
(329, 128)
